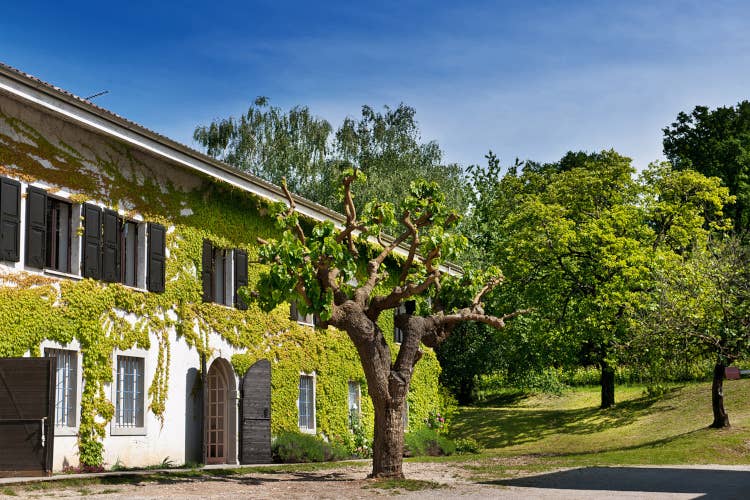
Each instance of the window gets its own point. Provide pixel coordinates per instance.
(65, 386)
(306, 403)
(59, 235)
(303, 319)
(407, 307)
(354, 402)
(219, 275)
(129, 395)
(51, 227)
(129, 253)
(224, 272)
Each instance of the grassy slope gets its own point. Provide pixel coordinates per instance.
(572, 430)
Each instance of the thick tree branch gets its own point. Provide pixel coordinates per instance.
(291, 210)
(487, 288)
(399, 294)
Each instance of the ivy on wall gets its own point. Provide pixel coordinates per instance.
(105, 317)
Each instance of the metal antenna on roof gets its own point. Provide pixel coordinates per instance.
(97, 95)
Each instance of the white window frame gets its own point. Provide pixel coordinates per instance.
(358, 403)
(115, 428)
(308, 320)
(64, 430)
(228, 276)
(307, 430)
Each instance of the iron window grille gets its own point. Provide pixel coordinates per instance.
(66, 379)
(129, 397)
(306, 403)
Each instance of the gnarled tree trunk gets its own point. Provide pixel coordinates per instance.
(721, 419)
(388, 441)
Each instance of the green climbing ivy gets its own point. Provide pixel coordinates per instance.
(106, 317)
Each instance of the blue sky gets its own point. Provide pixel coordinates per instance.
(525, 79)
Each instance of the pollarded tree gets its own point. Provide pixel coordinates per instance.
(317, 269)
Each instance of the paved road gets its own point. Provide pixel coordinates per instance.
(705, 482)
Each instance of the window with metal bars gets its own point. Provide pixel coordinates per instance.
(306, 403)
(66, 379)
(129, 396)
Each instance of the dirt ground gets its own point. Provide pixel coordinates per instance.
(441, 480)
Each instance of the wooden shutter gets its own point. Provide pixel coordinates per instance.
(92, 242)
(10, 220)
(207, 262)
(240, 277)
(156, 257)
(111, 233)
(36, 227)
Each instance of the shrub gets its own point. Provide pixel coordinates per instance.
(293, 447)
(361, 442)
(428, 442)
(467, 445)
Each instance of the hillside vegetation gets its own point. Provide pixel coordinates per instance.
(572, 430)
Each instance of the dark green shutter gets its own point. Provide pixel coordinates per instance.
(111, 233)
(240, 277)
(207, 264)
(10, 220)
(92, 242)
(36, 227)
(156, 257)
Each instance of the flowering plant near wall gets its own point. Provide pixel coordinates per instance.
(436, 421)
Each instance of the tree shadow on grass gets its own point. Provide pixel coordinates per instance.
(501, 427)
(708, 483)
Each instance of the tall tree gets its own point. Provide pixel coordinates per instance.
(317, 269)
(703, 307)
(716, 143)
(387, 146)
(274, 144)
(579, 240)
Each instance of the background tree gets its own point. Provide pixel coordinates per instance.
(275, 144)
(387, 146)
(579, 241)
(716, 143)
(318, 270)
(702, 308)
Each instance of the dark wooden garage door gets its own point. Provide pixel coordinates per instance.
(27, 404)
(255, 438)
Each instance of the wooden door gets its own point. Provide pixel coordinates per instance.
(216, 417)
(256, 414)
(27, 406)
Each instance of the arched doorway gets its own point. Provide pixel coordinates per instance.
(220, 414)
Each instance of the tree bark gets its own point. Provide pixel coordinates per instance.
(721, 419)
(607, 382)
(388, 442)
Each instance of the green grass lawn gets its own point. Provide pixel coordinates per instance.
(571, 430)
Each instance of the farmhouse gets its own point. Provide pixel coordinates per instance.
(121, 253)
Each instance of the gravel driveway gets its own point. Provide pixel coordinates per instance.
(442, 480)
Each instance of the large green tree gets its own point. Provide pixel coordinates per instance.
(318, 269)
(703, 309)
(717, 144)
(579, 241)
